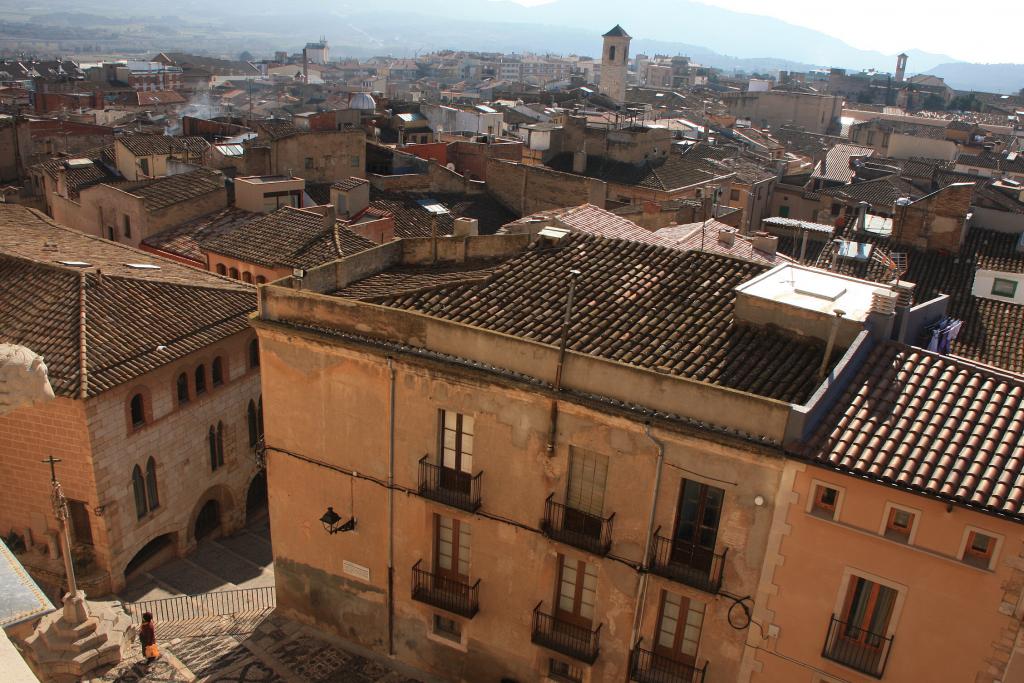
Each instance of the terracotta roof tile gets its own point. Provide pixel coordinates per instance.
(145, 145)
(184, 239)
(993, 331)
(128, 312)
(162, 192)
(413, 220)
(932, 424)
(288, 237)
(649, 306)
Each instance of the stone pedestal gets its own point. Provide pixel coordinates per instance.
(78, 639)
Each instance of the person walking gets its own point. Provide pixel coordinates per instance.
(147, 637)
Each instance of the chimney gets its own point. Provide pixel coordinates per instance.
(466, 227)
(764, 242)
(579, 162)
(330, 217)
(727, 236)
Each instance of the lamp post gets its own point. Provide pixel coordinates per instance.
(331, 519)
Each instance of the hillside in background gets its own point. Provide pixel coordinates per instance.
(710, 35)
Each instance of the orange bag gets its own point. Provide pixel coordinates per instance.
(152, 651)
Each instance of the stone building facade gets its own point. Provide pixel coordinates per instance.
(157, 411)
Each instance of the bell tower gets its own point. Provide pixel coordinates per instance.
(614, 62)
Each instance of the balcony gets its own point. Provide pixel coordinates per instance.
(857, 648)
(647, 667)
(452, 595)
(451, 487)
(687, 563)
(571, 640)
(575, 528)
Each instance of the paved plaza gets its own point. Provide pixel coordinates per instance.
(252, 648)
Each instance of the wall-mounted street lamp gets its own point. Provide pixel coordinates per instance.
(330, 521)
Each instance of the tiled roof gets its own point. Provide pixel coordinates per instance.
(617, 32)
(812, 145)
(993, 162)
(993, 331)
(162, 192)
(591, 220)
(184, 239)
(648, 306)
(159, 97)
(413, 220)
(688, 237)
(276, 129)
(881, 192)
(405, 279)
(932, 424)
(287, 237)
(836, 167)
(678, 170)
(349, 183)
(146, 145)
(918, 130)
(127, 312)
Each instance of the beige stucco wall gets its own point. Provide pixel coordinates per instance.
(952, 622)
(331, 404)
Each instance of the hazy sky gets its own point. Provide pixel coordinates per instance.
(972, 31)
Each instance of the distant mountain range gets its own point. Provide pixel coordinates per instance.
(711, 35)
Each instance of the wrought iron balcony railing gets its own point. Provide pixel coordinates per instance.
(571, 640)
(688, 563)
(449, 594)
(577, 528)
(451, 487)
(857, 648)
(648, 667)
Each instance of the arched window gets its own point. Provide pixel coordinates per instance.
(139, 487)
(254, 433)
(182, 388)
(260, 280)
(213, 449)
(611, 53)
(218, 371)
(254, 354)
(233, 273)
(260, 416)
(201, 380)
(151, 492)
(138, 408)
(220, 444)
(247, 277)
(221, 270)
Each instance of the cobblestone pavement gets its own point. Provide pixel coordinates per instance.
(251, 648)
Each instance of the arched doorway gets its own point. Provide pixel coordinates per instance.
(155, 552)
(208, 519)
(256, 498)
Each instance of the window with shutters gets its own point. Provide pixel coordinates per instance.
(979, 549)
(697, 519)
(452, 547)
(577, 591)
(457, 441)
(867, 612)
(680, 621)
(588, 475)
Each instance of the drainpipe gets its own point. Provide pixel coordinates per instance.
(391, 509)
(641, 591)
(561, 360)
(831, 343)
